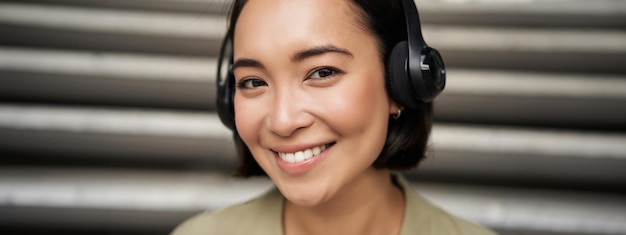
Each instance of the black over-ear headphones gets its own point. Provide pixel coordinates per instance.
(416, 73)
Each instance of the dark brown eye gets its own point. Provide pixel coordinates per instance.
(251, 83)
(323, 72)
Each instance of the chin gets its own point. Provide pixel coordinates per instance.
(304, 200)
(305, 196)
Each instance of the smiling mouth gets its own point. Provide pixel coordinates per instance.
(302, 156)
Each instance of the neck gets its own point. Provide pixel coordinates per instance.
(372, 204)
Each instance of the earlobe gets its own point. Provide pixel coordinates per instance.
(395, 110)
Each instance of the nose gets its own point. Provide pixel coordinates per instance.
(288, 112)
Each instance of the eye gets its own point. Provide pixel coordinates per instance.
(323, 73)
(251, 83)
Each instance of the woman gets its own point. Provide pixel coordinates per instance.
(316, 111)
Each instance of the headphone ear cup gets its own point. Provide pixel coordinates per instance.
(398, 79)
(225, 103)
(433, 76)
(225, 86)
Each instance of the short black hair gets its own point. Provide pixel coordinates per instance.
(407, 136)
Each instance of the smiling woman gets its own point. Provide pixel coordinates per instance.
(326, 98)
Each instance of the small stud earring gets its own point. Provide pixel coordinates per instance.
(397, 115)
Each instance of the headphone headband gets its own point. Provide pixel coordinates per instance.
(413, 28)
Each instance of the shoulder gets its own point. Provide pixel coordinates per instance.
(423, 217)
(234, 219)
(197, 224)
(451, 224)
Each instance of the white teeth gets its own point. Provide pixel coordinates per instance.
(303, 155)
(299, 156)
(316, 150)
(308, 154)
(289, 158)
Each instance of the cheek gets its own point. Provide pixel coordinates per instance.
(247, 119)
(360, 108)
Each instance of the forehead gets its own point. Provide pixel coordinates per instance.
(278, 24)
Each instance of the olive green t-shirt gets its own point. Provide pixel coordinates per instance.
(263, 216)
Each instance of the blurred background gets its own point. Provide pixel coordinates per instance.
(108, 123)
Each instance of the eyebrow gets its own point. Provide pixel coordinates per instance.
(245, 62)
(315, 51)
(299, 56)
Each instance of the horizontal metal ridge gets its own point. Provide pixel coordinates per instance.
(108, 64)
(195, 6)
(115, 21)
(113, 121)
(512, 39)
(534, 84)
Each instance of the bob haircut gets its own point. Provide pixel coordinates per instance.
(407, 136)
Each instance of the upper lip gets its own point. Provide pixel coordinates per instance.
(296, 147)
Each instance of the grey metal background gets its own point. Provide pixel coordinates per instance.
(107, 120)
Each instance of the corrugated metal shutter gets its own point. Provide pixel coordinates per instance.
(107, 122)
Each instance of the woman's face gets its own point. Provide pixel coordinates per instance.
(310, 102)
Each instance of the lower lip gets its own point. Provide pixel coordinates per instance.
(302, 167)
